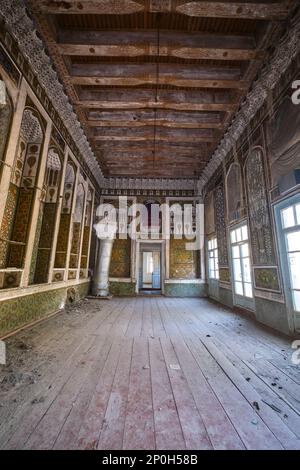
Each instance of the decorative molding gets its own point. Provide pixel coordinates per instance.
(286, 51)
(161, 184)
(23, 30)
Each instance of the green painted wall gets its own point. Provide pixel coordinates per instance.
(17, 312)
(185, 290)
(122, 288)
(273, 314)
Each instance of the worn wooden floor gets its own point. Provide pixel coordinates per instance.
(148, 373)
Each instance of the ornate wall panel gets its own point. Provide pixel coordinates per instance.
(65, 219)
(234, 193)
(259, 216)
(221, 225)
(121, 259)
(19, 203)
(266, 278)
(209, 213)
(184, 264)
(7, 221)
(5, 122)
(283, 134)
(86, 233)
(76, 228)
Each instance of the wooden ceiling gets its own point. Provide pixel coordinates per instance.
(155, 83)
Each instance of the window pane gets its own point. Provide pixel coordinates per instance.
(209, 244)
(238, 286)
(211, 254)
(245, 250)
(296, 300)
(238, 234)
(246, 269)
(293, 241)
(217, 274)
(232, 236)
(288, 217)
(237, 270)
(248, 290)
(244, 232)
(235, 252)
(298, 213)
(294, 260)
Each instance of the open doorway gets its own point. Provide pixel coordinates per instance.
(150, 270)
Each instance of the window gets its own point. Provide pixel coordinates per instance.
(213, 263)
(241, 261)
(290, 218)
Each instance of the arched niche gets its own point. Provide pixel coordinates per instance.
(6, 114)
(86, 233)
(152, 217)
(234, 192)
(65, 222)
(77, 225)
(258, 210)
(47, 216)
(22, 190)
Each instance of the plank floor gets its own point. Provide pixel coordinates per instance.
(149, 373)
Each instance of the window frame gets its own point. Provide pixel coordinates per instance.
(213, 256)
(239, 238)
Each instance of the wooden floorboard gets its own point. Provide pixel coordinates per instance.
(149, 373)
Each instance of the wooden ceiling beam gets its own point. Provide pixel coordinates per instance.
(199, 53)
(160, 132)
(120, 138)
(185, 106)
(132, 75)
(149, 94)
(124, 156)
(152, 80)
(217, 9)
(158, 122)
(136, 38)
(172, 147)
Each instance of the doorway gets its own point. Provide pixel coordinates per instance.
(150, 270)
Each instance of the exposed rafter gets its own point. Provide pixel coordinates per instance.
(166, 102)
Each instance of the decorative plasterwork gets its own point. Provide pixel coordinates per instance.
(23, 30)
(288, 48)
(150, 183)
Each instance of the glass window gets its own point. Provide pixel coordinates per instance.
(213, 262)
(288, 219)
(293, 241)
(297, 209)
(296, 300)
(241, 261)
